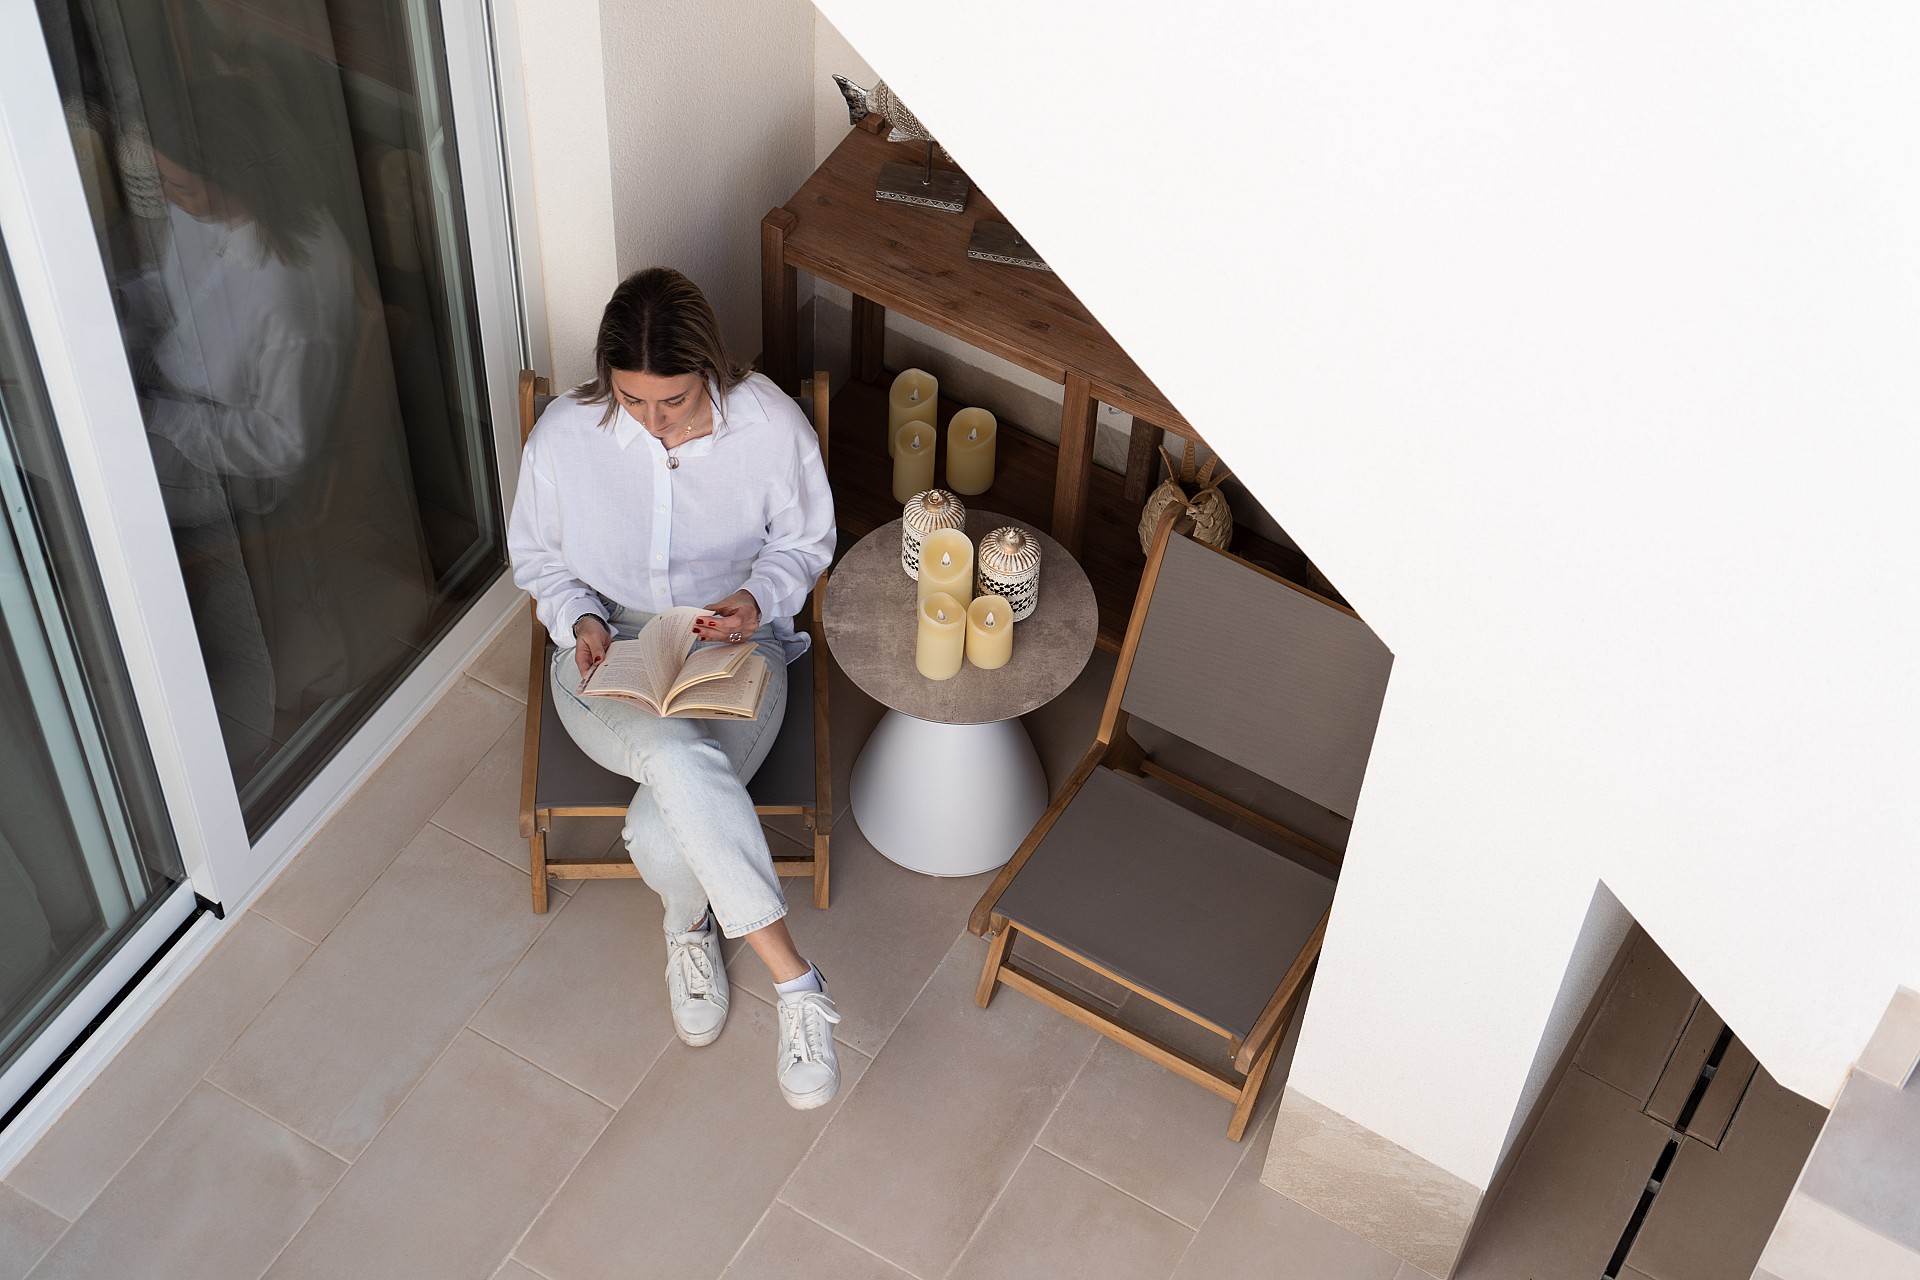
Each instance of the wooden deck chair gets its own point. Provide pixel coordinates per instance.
(1151, 894)
(557, 780)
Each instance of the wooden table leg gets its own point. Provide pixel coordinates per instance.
(1073, 480)
(779, 283)
(869, 339)
(1143, 451)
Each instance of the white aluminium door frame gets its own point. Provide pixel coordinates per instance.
(48, 234)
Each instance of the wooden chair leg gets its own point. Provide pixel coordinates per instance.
(820, 868)
(990, 974)
(1250, 1092)
(537, 866)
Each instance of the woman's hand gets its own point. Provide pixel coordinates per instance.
(734, 619)
(591, 637)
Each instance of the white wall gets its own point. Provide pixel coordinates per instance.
(1578, 347)
(710, 118)
(571, 182)
(660, 134)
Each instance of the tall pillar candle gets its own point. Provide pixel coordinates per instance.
(912, 461)
(942, 639)
(946, 564)
(970, 444)
(989, 632)
(915, 397)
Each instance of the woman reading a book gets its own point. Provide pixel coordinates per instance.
(679, 496)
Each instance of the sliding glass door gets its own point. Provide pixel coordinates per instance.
(276, 194)
(258, 336)
(86, 850)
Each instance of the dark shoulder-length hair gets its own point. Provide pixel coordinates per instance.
(657, 322)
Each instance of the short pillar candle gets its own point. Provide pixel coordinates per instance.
(912, 461)
(989, 632)
(915, 397)
(946, 564)
(970, 443)
(942, 640)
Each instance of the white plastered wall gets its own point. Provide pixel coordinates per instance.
(1578, 346)
(660, 134)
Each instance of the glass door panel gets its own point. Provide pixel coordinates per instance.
(276, 196)
(85, 845)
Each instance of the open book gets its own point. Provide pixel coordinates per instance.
(659, 670)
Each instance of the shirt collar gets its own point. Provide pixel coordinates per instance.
(733, 409)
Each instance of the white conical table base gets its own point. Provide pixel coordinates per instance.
(947, 799)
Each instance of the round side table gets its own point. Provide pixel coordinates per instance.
(949, 782)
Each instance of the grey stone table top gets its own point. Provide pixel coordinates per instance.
(871, 615)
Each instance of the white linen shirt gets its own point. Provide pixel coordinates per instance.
(599, 517)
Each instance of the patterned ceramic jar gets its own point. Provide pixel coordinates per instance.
(1008, 564)
(934, 509)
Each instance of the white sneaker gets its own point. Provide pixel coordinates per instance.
(806, 1067)
(697, 985)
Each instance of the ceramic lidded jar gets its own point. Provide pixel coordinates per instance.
(1007, 563)
(926, 512)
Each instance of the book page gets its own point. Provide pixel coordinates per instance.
(710, 663)
(730, 697)
(644, 667)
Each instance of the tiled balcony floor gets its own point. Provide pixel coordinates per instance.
(392, 1067)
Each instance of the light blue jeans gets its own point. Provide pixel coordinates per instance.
(691, 829)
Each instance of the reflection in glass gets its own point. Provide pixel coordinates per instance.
(85, 846)
(275, 196)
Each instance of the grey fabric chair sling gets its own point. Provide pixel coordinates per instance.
(557, 780)
(1167, 903)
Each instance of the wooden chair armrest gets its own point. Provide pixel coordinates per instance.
(536, 703)
(1271, 1020)
(983, 909)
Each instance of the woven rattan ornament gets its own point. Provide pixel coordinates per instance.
(1199, 492)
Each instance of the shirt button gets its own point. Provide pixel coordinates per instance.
(659, 557)
(661, 507)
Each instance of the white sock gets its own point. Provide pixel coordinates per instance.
(808, 981)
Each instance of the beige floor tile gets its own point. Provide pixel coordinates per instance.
(790, 1246)
(328, 876)
(1064, 728)
(942, 1120)
(851, 716)
(348, 1037)
(449, 1186)
(679, 1179)
(217, 1192)
(885, 933)
(1256, 1231)
(147, 1079)
(589, 1001)
(1408, 1271)
(1096, 988)
(1056, 1220)
(485, 810)
(1148, 1131)
(502, 664)
(514, 1270)
(27, 1231)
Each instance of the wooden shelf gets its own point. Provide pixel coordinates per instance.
(862, 479)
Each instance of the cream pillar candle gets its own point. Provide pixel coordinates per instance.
(970, 440)
(915, 397)
(942, 639)
(946, 564)
(912, 461)
(989, 632)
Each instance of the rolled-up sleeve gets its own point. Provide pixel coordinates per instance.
(800, 535)
(534, 543)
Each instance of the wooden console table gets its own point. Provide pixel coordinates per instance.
(914, 261)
